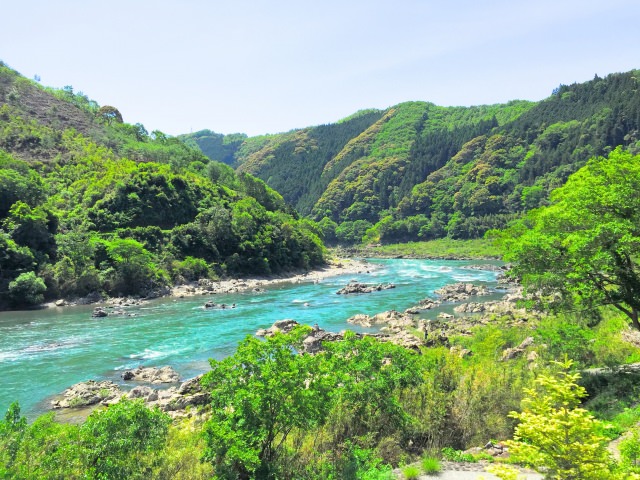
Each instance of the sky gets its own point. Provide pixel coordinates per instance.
(259, 66)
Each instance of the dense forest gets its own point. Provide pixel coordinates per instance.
(89, 203)
(418, 171)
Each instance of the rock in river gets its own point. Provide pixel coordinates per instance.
(355, 287)
(152, 375)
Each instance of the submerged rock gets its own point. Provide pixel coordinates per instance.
(99, 312)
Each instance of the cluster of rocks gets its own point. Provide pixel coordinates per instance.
(173, 400)
(423, 305)
(356, 287)
(152, 375)
(210, 304)
(392, 320)
(88, 393)
(100, 312)
(280, 326)
(515, 352)
(312, 343)
(459, 292)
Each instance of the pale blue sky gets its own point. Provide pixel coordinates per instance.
(258, 66)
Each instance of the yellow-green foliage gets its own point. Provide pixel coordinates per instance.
(555, 434)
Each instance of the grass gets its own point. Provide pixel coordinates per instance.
(431, 465)
(410, 472)
(442, 248)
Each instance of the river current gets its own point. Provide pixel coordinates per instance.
(42, 352)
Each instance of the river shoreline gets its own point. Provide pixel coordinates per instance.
(334, 267)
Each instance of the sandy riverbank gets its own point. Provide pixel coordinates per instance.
(333, 268)
(341, 266)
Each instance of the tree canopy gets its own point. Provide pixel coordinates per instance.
(583, 249)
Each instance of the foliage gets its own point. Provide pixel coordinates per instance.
(454, 455)
(120, 442)
(418, 171)
(504, 472)
(430, 465)
(267, 397)
(583, 248)
(92, 204)
(410, 472)
(27, 290)
(630, 449)
(114, 439)
(556, 434)
(443, 248)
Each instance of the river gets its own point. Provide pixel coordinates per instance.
(42, 352)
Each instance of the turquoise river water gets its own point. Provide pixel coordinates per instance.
(42, 352)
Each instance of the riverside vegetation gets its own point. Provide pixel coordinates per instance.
(106, 201)
(92, 204)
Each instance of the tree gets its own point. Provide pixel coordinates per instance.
(27, 290)
(583, 249)
(259, 395)
(109, 114)
(115, 439)
(557, 435)
(133, 265)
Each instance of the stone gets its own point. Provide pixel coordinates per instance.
(458, 292)
(283, 326)
(88, 393)
(99, 312)
(356, 287)
(60, 303)
(152, 375)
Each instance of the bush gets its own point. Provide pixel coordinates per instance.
(27, 290)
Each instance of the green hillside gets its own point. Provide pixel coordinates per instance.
(89, 203)
(420, 171)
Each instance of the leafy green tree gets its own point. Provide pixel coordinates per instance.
(12, 431)
(117, 441)
(584, 247)
(134, 269)
(259, 395)
(27, 290)
(554, 433)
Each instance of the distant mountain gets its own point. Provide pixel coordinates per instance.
(420, 171)
(89, 203)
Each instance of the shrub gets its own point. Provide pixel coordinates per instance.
(27, 290)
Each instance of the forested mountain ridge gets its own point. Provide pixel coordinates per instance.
(420, 171)
(89, 203)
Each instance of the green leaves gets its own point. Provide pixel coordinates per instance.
(583, 248)
(267, 392)
(554, 433)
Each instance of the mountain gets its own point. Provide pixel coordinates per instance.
(89, 203)
(421, 171)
